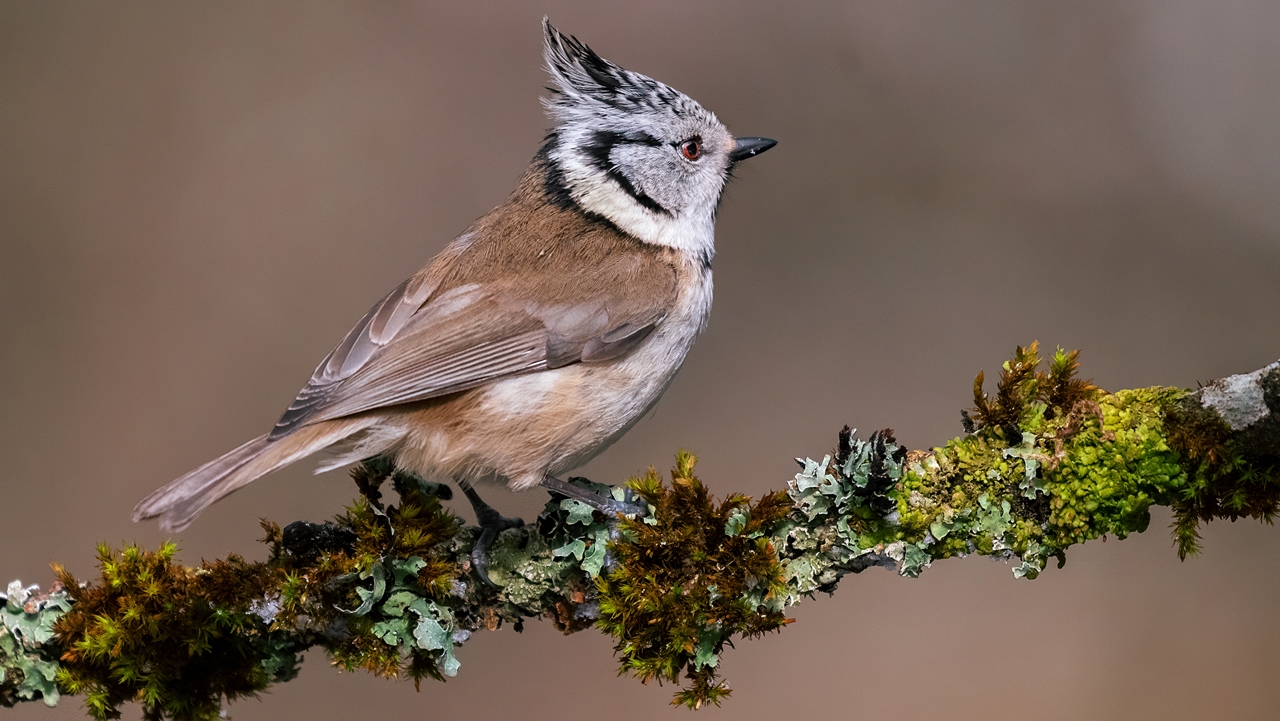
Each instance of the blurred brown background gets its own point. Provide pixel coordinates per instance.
(198, 199)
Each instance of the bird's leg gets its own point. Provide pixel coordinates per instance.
(607, 506)
(491, 524)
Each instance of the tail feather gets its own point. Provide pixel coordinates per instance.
(180, 501)
(198, 482)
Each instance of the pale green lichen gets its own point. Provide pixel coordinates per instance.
(28, 670)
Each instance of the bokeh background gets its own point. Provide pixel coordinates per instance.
(198, 199)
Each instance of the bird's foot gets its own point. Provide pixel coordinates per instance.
(628, 506)
(491, 524)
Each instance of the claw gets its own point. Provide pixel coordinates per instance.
(479, 557)
(491, 524)
(625, 508)
(609, 506)
(628, 506)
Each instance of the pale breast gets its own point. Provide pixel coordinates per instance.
(578, 411)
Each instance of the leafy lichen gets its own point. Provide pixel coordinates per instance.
(28, 669)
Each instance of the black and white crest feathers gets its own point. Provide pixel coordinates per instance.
(582, 79)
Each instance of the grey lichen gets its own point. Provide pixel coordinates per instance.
(1239, 399)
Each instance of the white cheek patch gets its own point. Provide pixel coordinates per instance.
(692, 230)
(657, 173)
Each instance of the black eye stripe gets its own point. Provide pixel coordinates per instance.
(640, 138)
(601, 145)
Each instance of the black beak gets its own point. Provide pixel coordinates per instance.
(746, 147)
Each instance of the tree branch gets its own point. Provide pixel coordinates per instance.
(1049, 462)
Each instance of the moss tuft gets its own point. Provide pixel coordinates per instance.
(683, 583)
(178, 640)
(1024, 392)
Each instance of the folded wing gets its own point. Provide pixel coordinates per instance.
(422, 341)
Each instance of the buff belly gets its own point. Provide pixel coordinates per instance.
(523, 428)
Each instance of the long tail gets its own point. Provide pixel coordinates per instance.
(178, 503)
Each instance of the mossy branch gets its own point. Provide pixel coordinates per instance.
(1049, 462)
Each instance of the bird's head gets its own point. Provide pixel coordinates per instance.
(638, 152)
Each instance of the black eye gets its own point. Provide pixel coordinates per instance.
(691, 149)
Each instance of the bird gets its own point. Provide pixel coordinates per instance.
(543, 332)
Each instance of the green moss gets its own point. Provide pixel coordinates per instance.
(182, 640)
(689, 578)
(1230, 475)
(175, 639)
(390, 588)
(1114, 469)
(1050, 461)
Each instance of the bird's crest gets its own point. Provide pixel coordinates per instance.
(583, 83)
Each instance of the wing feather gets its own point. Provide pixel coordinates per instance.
(436, 334)
(410, 379)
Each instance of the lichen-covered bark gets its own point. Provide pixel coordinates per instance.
(1048, 462)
